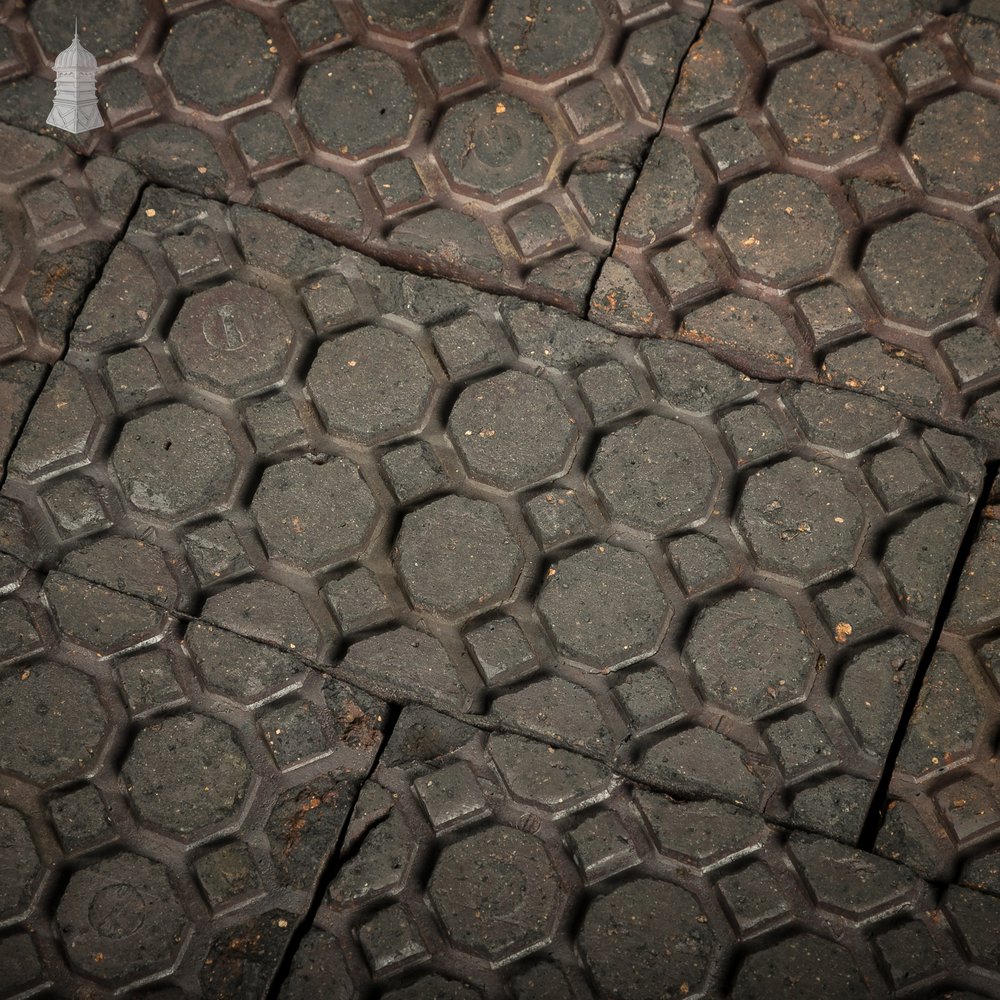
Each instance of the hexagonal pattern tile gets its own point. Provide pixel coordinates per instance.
(512, 430)
(455, 555)
(185, 773)
(750, 653)
(239, 43)
(819, 206)
(402, 129)
(800, 519)
(348, 385)
(591, 595)
(655, 475)
(780, 228)
(494, 143)
(900, 259)
(174, 461)
(814, 126)
(311, 513)
(123, 917)
(674, 897)
(511, 873)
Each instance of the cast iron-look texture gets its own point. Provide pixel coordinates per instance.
(822, 201)
(496, 866)
(627, 548)
(493, 142)
(943, 818)
(58, 219)
(172, 790)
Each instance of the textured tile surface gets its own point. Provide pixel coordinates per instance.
(171, 790)
(822, 201)
(497, 866)
(494, 143)
(630, 549)
(943, 817)
(58, 220)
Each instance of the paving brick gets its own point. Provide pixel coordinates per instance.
(600, 874)
(632, 550)
(416, 135)
(817, 203)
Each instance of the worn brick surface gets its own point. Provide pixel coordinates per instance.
(822, 202)
(720, 585)
(58, 220)
(491, 142)
(497, 866)
(943, 814)
(172, 790)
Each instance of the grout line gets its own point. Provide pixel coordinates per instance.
(880, 800)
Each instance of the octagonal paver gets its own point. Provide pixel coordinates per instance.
(954, 144)
(797, 966)
(174, 461)
(20, 868)
(241, 65)
(603, 606)
(780, 228)
(512, 430)
(655, 475)
(356, 101)
(370, 384)
(232, 338)
(52, 720)
(496, 892)
(646, 940)
(494, 142)
(750, 653)
(457, 555)
(120, 918)
(313, 513)
(924, 271)
(542, 40)
(186, 772)
(800, 520)
(827, 106)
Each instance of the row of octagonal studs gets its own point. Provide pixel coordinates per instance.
(518, 434)
(338, 80)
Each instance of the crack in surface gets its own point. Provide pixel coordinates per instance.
(880, 800)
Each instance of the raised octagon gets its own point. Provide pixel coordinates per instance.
(750, 654)
(120, 918)
(52, 722)
(313, 513)
(655, 475)
(457, 555)
(924, 271)
(512, 430)
(493, 143)
(232, 339)
(604, 607)
(371, 384)
(496, 892)
(186, 772)
(800, 520)
(174, 461)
